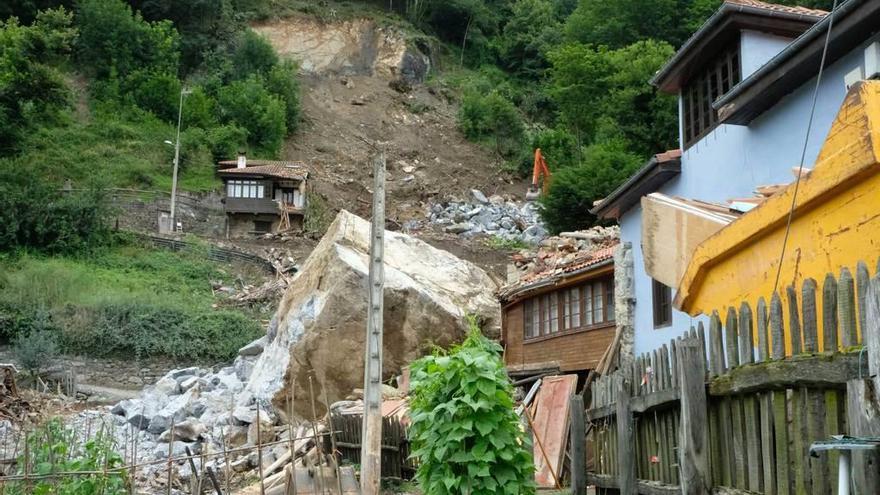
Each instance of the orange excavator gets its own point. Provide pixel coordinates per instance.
(540, 174)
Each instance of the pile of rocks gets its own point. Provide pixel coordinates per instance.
(494, 216)
(560, 250)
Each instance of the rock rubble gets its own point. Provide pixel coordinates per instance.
(495, 216)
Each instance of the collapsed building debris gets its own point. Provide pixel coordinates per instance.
(12, 406)
(312, 352)
(559, 251)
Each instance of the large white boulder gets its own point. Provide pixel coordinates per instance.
(319, 328)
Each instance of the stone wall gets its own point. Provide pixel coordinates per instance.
(115, 373)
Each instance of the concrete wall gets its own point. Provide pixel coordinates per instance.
(731, 160)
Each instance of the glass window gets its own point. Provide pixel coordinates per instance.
(609, 300)
(575, 307)
(554, 312)
(588, 305)
(545, 315)
(598, 300)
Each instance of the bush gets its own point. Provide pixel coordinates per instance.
(283, 82)
(114, 41)
(34, 215)
(36, 349)
(574, 189)
(249, 105)
(492, 117)
(54, 448)
(253, 55)
(156, 92)
(464, 431)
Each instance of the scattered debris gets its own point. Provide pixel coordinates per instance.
(493, 216)
(560, 254)
(12, 406)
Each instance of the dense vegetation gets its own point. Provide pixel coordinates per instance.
(570, 77)
(92, 88)
(123, 300)
(464, 431)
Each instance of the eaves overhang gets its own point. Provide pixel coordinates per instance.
(657, 171)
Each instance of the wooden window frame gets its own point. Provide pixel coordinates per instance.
(661, 304)
(703, 88)
(605, 286)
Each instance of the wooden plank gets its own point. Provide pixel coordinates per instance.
(780, 437)
(803, 371)
(871, 335)
(701, 335)
(777, 328)
(642, 487)
(715, 445)
(862, 279)
(577, 441)
(693, 443)
(862, 411)
(731, 339)
(816, 427)
(832, 427)
(794, 322)
(625, 451)
(829, 314)
(754, 468)
(811, 331)
(763, 337)
(746, 335)
(716, 351)
(740, 459)
(549, 421)
(768, 459)
(727, 457)
(800, 443)
(846, 308)
(673, 358)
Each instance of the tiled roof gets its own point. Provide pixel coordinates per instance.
(279, 169)
(779, 8)
(553, 274)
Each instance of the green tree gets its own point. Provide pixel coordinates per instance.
(249, 105)
(252, 55)
(114, 40)
(492, 117)
(574, 189)
(464, 431)
(617, 23)
(32, 89)
(532, 29)
(155, 92)
(283, 81)
(604, 93)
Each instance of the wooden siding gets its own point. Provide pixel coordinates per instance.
(579, 350)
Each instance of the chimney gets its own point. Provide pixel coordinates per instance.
(242, 160)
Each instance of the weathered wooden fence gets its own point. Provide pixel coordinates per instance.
(759, 388)
(396, 461)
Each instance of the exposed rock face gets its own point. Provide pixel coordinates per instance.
(320, 324)
(356, 46)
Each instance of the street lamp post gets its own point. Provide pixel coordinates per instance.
(183, 92)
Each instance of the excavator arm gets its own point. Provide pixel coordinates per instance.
(540, 177)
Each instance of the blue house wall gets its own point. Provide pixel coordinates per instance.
(732, 160)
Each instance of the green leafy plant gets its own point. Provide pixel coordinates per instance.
(36, 349)
(53, 448)
(498, 242)
(464, 431)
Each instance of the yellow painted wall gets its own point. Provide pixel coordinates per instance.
(836, 223)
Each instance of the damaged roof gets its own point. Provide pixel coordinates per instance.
(268, 168)
(660, 169)
(558, 273)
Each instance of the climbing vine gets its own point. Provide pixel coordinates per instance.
(464, 431)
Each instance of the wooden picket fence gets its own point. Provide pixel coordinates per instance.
(761, 387)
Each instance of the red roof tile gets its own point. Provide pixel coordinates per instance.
(779, 8)
(550, 274)
(281, 170)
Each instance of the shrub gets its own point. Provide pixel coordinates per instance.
(156, 92)
(493, 117)
(249, 105)
(574, 189)
(114, 41)
(36, 349)
(283, 82)
(464, 431)
(253, 55)
(53, 448)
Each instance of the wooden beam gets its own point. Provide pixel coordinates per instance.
(643, 487)
(371, 449)
(693, 443)
(639, 404)
(578, 443)
(820, 371)
(625, 439)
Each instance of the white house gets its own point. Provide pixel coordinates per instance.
(745, 82)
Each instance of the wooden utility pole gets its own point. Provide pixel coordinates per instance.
(371, 444)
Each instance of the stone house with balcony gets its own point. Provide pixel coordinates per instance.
(263, 196)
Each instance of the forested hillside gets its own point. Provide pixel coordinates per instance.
(91, 85)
